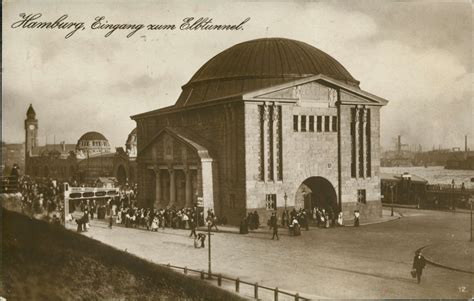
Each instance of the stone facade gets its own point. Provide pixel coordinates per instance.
(264, 132)
(257, 150)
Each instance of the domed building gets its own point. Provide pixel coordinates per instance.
(268, 124)
(131, 144)
(86, 161)
(91, 144)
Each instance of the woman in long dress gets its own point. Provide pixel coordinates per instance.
(154, 224)
(340, 219)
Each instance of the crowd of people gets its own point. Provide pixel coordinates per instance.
(41, 197)
(46, 197)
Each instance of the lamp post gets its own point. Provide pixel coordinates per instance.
(470, 202)
(391, 194)
(209, 273)
(285, 197)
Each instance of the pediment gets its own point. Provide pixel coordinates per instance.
(170, 146)
(319, 91)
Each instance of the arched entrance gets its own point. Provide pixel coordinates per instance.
(121, 175)
(316, 192)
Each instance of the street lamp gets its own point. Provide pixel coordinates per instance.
(391, 194)
(470, 202)
(285, 197)
(209, 225)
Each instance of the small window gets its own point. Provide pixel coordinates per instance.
(295, 123)
(319, 121)
(361, 196)
(303, 123)
(311, 123)
(334, 124)
(326, 123)
(271, 201)
(232, 200)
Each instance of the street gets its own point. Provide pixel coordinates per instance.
(372, 261)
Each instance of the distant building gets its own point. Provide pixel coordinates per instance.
(12, 153)
(106, 182)
(464, 164)
(265, 125)
(92, 144)
(85, 161)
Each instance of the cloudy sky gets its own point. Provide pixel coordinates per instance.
(418, 55)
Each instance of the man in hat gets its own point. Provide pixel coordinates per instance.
(274, 226)
(419, 264)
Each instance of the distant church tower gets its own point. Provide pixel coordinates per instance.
(31, 133)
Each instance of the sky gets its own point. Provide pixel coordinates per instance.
(417, 55)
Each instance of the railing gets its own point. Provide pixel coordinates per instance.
(449, 188)
(238, 282)
(8, 184)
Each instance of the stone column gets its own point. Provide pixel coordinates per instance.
(207, 185)
(157, 187)
(276, 146)
(172, 188)
(226, 143)
(189, 186)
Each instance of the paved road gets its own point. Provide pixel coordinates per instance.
(372, 261)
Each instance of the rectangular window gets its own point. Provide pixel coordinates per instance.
(295, 123)
(319, 121)
(271, 201)
(311, 123)
(326, 123)
(353, 143)
(261, 155)
(361, 196)
(303, 123)
(334, 124)
(368, 147)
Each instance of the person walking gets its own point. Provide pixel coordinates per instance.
(356, 218)
(419, 263)
(192, 225)
(274, 226)
(111, 221)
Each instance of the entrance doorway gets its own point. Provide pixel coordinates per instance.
(316, 192)
(121, 175)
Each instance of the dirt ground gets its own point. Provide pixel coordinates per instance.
(41, 261)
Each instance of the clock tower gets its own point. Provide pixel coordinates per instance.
(31, 132)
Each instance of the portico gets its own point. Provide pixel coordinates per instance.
(174, 166)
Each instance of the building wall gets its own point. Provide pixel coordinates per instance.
(305, 154)
(54, 168)
(310, 154)
(371, 184)
(219, 128)
(232, 132)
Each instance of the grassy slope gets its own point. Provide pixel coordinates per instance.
(45, 262)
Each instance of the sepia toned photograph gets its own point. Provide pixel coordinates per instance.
(237, 150)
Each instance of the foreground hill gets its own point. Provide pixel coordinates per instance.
(41, 261)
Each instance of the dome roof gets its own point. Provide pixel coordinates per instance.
(258, 64)
(132, 137)
(92, 136)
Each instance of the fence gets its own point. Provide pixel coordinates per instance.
(238, 282)
(8, 184)
(458, 189)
